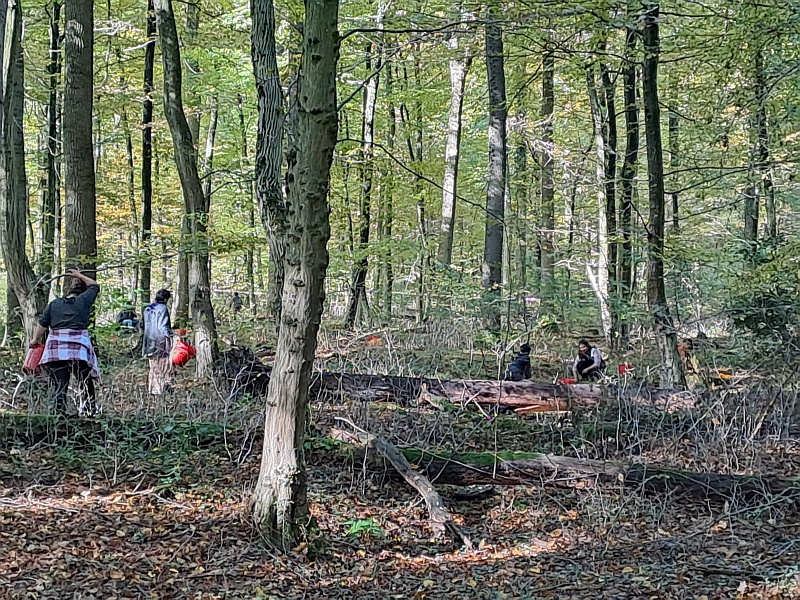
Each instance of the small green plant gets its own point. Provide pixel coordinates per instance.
(364, 527)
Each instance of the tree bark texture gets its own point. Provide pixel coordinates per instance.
(31, 293)
(145, 284)
(672, 374)
(193, 199)
(51, 196)
(763, 154)
(208, 157)
(280, 503)
(547, 234)
(358, 285)
(491, 273)
(628, 177)
(459, 67)
(80, 225)
(598, 276)
(269, 142)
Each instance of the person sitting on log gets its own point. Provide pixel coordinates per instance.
(589, 364)
(520, 367)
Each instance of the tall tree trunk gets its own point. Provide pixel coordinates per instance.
(145, 284)
(387, 214)
(269, 152)
(609, 91)
(491, 272)
(80, 226)
(548, 219)
(133, 242)
(672, 375)
(598, 277)
(208, 157)
(29, 291)
(627, 178)
(459, 66)
(193, 199)
(280, 505)
(751, 209)
(358, 289)
(763, 158)
(50, 197)
(244, 164)
(192, 69)
(520, 193)
(674, 161)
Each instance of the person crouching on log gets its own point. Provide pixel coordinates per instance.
(68, 351)
(520, 367)
(589, 364)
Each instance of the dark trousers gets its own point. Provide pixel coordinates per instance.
(595, 375)
(60, 372)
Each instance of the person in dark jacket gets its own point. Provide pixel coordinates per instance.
(520, 367)
(68, 351)
(157, 343)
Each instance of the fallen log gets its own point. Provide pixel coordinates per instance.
(441, 519)
(244, 373)
(523, 396)
(530, 468)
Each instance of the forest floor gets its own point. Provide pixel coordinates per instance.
(151, 501)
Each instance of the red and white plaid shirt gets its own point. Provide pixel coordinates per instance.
(71, 344)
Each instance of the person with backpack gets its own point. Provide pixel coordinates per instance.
(157, 343)
(68, 351)
(589, 364)
(520, 367)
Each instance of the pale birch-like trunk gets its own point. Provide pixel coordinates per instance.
(459, 66)
(599, 280)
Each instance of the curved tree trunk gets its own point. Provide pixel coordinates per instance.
(280, 502)
(80, 226)
(269, 151)
(30, 293)
(672, 375)
(193, 198)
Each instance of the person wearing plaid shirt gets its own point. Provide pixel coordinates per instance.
(68, 351)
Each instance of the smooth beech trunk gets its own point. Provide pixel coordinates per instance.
(491, 273)
(672, 375)
(459, 66)
(194, 203)
(280, 502)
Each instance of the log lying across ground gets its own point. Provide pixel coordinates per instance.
(246, 374)
(522, 468)
(523, 396)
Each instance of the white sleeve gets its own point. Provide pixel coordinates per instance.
(597, 357)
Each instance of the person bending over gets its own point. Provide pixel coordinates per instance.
(68, 351)
(589, 363)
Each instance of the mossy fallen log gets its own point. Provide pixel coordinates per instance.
(530, 468)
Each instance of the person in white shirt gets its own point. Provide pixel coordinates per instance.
(589, 363)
